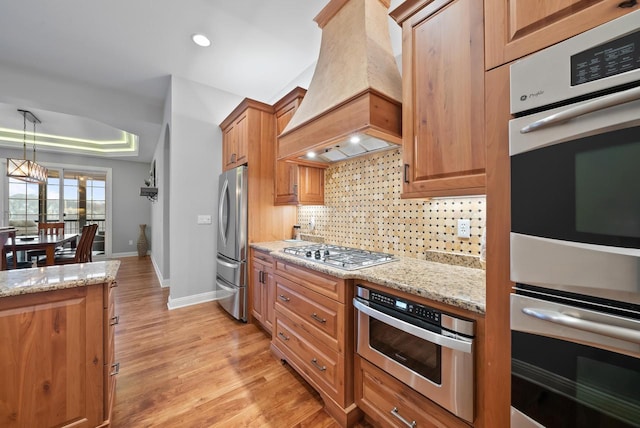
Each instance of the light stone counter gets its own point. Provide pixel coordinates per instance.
(459, 286)
(35, 280)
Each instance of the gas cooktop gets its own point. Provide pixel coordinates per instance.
(340, 257)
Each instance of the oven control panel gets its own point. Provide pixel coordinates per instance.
(417, 310)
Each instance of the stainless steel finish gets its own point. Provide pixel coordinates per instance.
(520, 420)
(587, 327)
(457, 343)
(396, 413)
(458, 325)
(606, 272)
(231, 266)
(232, 299)
(600, 120)
(545, 78)
(570, 320)
(339, 257)
(232, 215)
(582, 109)
(317, 318)
(283, 298)
(283, 336)
(116, 369)
(455, 393)
(314, 361)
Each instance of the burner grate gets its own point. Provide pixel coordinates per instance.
(340, 257)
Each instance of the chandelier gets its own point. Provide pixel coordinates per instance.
(24, 169)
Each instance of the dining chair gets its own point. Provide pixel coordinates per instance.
(51, 229)
(82, 252)
(7, 244)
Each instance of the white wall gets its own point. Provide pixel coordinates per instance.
(195, 159)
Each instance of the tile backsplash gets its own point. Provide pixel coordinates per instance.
(363, 209)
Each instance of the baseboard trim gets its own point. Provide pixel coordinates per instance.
(164, 283)
(195, 299)
(120, 255)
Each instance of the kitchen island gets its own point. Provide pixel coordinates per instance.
(57, 357)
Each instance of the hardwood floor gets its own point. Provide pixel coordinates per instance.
(198, 367)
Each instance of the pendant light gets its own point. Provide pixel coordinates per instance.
(23, 169)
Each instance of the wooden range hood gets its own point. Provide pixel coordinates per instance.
(356, 87)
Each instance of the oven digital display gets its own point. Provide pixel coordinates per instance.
(401, 305)
(615, 57)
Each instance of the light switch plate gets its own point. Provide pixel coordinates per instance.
(204, 219)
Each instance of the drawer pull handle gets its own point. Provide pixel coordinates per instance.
(115, 320)
(317, 318)
(283, 298)
(282, 335)
(113, 284)
(116, 369)
(396, 413)
(318, 366)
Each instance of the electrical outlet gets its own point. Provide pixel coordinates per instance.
(464, 228)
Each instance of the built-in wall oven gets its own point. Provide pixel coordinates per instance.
(429, 350)
(575, 242)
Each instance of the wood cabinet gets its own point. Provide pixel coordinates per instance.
(56, 358)
(295, 184)
(442, 97)
(519, 27)
(235, 142)
(313, 332)
(262, 289)
(252, 124)
(389, 402)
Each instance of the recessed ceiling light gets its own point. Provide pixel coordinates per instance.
(355, 139)
(311, 155)
(201, 40)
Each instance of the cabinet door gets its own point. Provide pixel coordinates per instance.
(257, 293)
(51, 359)
(229, 144)
(519, 27)
(443, 100)
(242, 139)
(269, 300)
(286, 183)
(311, 185)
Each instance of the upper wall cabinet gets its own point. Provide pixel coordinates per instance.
(442, 97)
(295, 184)
(243, 130)
(517, 28)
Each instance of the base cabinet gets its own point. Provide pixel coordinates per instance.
(313, 332)
(262, 289)
(56, 358)
(388, 402)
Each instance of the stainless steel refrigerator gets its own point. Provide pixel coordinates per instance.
(231, 270)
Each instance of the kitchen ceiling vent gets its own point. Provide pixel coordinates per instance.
(356, 87)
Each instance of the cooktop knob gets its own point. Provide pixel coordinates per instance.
(317, 255)
(308, 254)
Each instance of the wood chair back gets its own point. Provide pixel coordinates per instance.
(8, 244)
(56, 228)
(85, 244)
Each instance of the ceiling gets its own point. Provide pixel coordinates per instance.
(132, 47)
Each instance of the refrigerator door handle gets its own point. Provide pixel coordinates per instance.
(223, 221)
(227, 264)
(226, 288)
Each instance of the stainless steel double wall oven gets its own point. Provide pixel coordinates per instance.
(575, 241)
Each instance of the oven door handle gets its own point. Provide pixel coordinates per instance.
(567, 320)
(438, 339)
(577, 111)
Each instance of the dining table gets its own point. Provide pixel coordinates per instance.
(45, 242)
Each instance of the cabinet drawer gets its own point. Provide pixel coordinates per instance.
(109, 326)
(263, 259)
(314, 360)
(319, 315)
(388, 401)
(324, 284)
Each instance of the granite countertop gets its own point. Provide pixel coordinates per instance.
(459, 286)
(35, 280)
